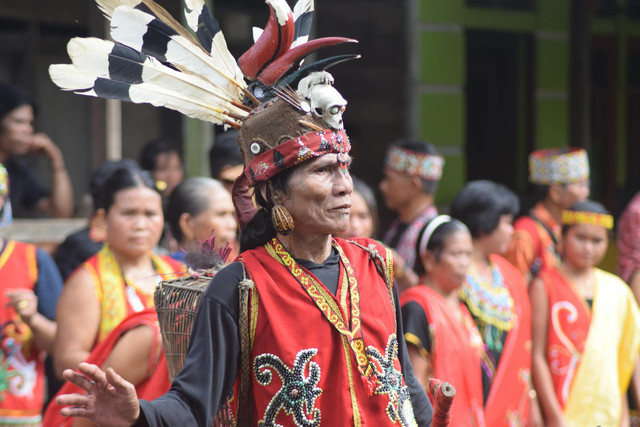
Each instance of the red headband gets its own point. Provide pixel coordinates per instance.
(297, 150)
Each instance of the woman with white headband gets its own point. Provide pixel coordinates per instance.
(442, 339)
(496, 295)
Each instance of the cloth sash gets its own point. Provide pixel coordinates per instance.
(609, 351)
(156, 384)
(456, 353)
(304, 366)
(508, 400)
(117, 298)
(22, 363)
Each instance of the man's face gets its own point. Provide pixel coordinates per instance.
(397, 188)
(575, 192)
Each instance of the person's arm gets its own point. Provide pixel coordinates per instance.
(78, 317)
(37, 308)
(422, 409)
(520, 252)
(541, 373)
(25, 303)
(416, 335)
(60, 203)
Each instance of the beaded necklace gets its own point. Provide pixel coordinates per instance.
(491, 305)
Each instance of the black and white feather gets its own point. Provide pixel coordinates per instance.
(157, 61)
(303, 18)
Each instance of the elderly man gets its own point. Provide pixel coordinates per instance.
(303, 328)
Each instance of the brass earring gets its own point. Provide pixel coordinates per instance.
(280, 216)
(281, 219)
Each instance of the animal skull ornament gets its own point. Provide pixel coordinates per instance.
(325, 101)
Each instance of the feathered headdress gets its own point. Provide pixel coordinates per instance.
(154, 59)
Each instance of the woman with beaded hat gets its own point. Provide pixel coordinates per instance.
(586, 332)
(561, 178)
(496, 295)
(302, 329)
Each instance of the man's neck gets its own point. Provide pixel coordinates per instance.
(315, 248)
(414, 208)
(554, 210)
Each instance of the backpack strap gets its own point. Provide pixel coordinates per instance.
(245, 415)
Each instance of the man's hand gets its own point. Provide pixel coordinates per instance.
(109, 399)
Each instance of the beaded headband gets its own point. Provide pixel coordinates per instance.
(298, 150)
(426, 166)
(428, 232)
(591, 218)
(558, 166)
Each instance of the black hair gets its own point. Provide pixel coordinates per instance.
(152, 149)
(11, 98)
(123, 178)
(361, 187)
(480, 204)
(428, 187)
(587, 206)
(192, 196)
(260, 229)
(225, 152)
(436, 242)
(101, 174)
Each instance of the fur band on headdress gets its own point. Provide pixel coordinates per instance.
(558, 166)
(423, 165)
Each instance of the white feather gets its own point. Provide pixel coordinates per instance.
(129, 25)
(219, 49)
(257, 32)
(162, 86)
(192, 11)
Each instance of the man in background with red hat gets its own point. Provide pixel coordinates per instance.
(561, 177)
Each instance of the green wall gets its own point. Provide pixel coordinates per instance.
(441, 76)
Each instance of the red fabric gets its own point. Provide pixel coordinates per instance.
(532, 247)
(154, 386)
(628, 232)
(454, 355)
(22, 368)
(508, 399)
(295, 151)
(289, 322)
(569, 320)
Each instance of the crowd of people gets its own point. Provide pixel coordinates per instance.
(508, 307)
(312, 321)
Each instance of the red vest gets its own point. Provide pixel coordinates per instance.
(304, 371)
(456, 353)
(22, 369)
